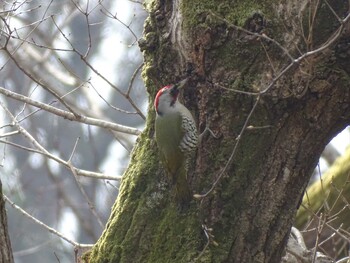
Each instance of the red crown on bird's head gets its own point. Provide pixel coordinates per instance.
(174, 92)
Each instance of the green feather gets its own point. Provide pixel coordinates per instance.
(169, 134)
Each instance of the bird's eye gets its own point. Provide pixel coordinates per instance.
(174, 91)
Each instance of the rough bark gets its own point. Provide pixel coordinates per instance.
(5, 244)
(251, 210)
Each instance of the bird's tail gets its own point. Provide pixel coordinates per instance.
(183, 193)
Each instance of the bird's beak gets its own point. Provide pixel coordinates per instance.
(182, 83)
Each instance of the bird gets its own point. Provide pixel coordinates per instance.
(177, 138)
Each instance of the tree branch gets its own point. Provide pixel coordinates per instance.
(43, 151)
(70, 116)
(50, 229)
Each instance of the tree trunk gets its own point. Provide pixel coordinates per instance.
(272, 113)
(5, 244)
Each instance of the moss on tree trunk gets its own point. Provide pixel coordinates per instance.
(250, 211)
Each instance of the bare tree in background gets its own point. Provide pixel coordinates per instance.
(72, 104)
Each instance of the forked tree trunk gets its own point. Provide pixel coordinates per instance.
(266, 168)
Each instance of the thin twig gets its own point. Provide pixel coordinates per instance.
(133, 79)
(27, 73)
(81, 188)
(50, 229)
(107, 13)
(88, 64)
(206, 245)
(238, 139)
(40, 149)
(31, 250)
(110, 105)
(58, 260)
(73, 151)
(296, 61)
(86, 197)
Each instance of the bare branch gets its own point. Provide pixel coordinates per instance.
(107, 13)
(89, 65)
(8, 134)
(50, 229)
(24, 70)
(86, 197)
(133, 79)
(43, 151)
(70, 116)
(110, 105)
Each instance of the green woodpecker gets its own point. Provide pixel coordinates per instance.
(177, 138)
